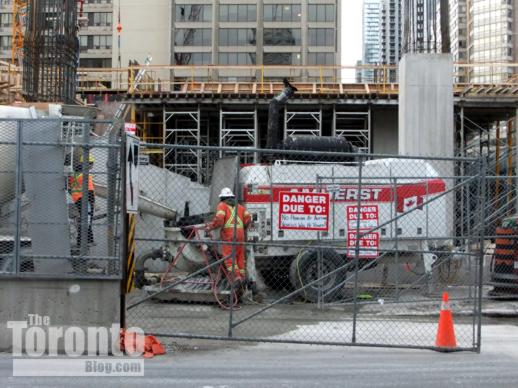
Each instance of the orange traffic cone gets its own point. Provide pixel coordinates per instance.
(445, 332)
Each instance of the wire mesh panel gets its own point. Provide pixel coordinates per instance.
(9, 181)
(60, 199)
(312, 247)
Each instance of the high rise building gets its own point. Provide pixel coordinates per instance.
(459, 36)
(390, 36)
(242, 32)
(371, 37)
(420, 28)
(492, 38)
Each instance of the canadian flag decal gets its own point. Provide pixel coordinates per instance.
(409, 203)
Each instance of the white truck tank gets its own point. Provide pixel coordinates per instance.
(262, 186)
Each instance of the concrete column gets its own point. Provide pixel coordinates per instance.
(426, 117)
(426, 120)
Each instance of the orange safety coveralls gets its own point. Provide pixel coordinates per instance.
(226, 220)
(75, 184)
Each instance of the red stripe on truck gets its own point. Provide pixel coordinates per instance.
(349, 193)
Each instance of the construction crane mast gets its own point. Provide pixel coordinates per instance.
(19, 15)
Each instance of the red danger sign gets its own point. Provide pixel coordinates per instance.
(303, 211)
(368, 247)
(369, 217)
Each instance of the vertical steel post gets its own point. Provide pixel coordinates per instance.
(125, 229)
(462, 172)
(497, 166)
(482, 216)
(509, 163)
(234, 247)
(357, 250)
(397, 239)
(83, 238)
(112, 169)
(18, 195)
(320, 298)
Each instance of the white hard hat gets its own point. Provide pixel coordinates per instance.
(226, 193)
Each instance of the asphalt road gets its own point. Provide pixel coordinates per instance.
(268, 365)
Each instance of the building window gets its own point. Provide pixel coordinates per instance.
(192, 58)
(237, 13)
(282, 13)
(321, 37)
(237, 37)
(321, 13)
(95, 62)
(99, 19)
(321, 59)
(282, 36)
(6, 42)
(281, 58)
(193, 13)
(193, 37)
(95, 42)
(237, 58)
(6, 20)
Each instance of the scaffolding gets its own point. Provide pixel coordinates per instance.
(183, 127)
(239, 129)
(302, 123)
(355, 127)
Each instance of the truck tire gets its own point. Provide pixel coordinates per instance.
(304, 270)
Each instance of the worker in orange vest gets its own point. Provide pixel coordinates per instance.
(75, 187)
(232, 218)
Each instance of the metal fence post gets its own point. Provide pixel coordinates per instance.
(482, 215)
(18, 195)
(124, 231)
(396, 244)
(357, 250)
(84, 221)
(234, 247)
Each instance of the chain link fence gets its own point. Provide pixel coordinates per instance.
(315, 247)
(60, 199)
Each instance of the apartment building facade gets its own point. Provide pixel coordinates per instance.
(371, 38)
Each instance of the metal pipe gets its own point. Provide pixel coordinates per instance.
(145, 205)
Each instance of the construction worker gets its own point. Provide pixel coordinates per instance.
(232, 218)
(75, 185)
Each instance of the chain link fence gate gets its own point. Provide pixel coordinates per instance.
(343, 248)
(59, 199)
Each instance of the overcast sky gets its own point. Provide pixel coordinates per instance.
(351, 33)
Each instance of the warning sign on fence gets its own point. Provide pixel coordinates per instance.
(303, 211)
(369, 219)
(369, 244)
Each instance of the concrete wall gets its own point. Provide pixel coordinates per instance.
(426, 121)
(384, 132)
(95, 303)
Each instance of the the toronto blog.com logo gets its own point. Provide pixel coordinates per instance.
(40, 348)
